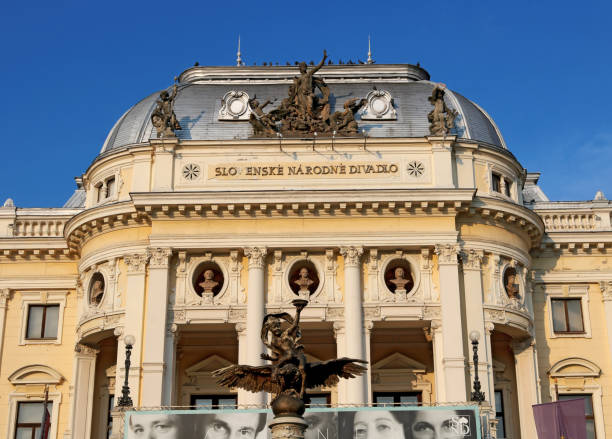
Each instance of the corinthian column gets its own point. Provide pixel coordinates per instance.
(453, 359)
(355, 346)
(255, 314)
(153, 364)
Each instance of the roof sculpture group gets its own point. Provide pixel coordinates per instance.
(303, 113)
(289, 374)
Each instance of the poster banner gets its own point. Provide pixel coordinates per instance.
(560, 419)
(323, 423)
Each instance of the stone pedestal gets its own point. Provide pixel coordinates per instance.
(288, 427)
(118, 415)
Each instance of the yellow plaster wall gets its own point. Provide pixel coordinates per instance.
(509, 235)
(481, 174)
(58, 357)
(37, 269)
(594, 349)
(124, 189)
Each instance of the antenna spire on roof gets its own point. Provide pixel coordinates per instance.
(370, 61)
(238, 58)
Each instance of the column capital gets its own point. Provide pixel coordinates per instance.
(489, 327)
(159, 257)
(352, 255)
(86, 350)
(241, 329)
(472, 259)
(338, 329)
(256, 256)
(368, 325)
(606, 290)
(447, 253)
(5, 295)
(136, 262)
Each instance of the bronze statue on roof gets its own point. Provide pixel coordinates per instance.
(441, 118)
(163, 118)
(304, 112)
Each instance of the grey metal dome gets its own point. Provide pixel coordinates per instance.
(201, 89)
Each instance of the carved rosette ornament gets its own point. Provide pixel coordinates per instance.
(136, 263)
(352, 255)
(256, 255)
(447, 253)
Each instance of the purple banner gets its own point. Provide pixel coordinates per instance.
(560, 419)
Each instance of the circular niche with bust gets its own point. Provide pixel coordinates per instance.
(303, 278)
(97, 286)
(398, 276)
(208, 279)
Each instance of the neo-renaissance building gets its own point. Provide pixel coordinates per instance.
(186, 242)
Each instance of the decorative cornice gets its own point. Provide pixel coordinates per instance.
(447, 253)
(472, 259)
(160, 257)
(137, 262)
(352, 255)
(84, 349)
(256, 255)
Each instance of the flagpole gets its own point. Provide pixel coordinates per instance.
(44, 413)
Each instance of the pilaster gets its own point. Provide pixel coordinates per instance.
(340, 336)
(163, 164)
(155, 328)
(241, 332)
(134, 316)
(84, 374)
(441, 149)
(453, 359)
(5, 295)
(606, 296)
(527, 380)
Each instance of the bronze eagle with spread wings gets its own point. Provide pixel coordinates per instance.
(289, 374)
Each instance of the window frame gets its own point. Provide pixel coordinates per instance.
(43, 320)
(215, 397)
(16, 397)
(565, 301)
(580, 291)
(100, 188)
(583, 395)
(503, 411)
(396, 397)
(29, 298)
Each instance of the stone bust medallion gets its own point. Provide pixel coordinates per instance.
(304, 282)
(207, 285)
(97, 289)
(400, 280)
(511, 287)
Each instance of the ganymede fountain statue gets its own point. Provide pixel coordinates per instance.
(289, 374)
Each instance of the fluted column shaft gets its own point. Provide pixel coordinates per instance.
(255, 314)
(355, 346)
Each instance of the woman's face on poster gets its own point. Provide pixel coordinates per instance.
(376, 424)
(437, 424)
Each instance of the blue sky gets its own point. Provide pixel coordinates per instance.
(70, 70)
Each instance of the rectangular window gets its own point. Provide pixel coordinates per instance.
(318, 400)
(214, 402)
(507, 187)
(110, 187)
(499, 414)
(588, 411)
(385, 399)
(496, 182)
(109, 420)
(42, 321)
(567, 316)
(29, 419)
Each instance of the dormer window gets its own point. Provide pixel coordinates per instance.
(496, 182)
(110, 187)
(501, 184)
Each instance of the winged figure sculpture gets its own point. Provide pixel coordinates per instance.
(289, 374)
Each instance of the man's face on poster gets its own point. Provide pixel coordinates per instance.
(232, 426)
(144, 426)
(321, 425)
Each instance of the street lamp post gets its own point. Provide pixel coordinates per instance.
(477, 394)
(125, 400)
